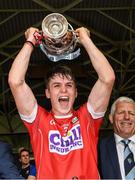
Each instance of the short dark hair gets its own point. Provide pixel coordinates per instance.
(22, 150)
(60, 70)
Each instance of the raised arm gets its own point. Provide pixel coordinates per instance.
(22, 93)
(100, 93)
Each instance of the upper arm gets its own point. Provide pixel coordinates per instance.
(24, 98)
(100, 95)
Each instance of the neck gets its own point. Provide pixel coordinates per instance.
(25, 165)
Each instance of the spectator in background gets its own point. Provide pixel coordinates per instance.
(8, 169)
(27, 170)
(111, 148)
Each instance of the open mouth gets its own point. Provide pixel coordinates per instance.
(63, 99)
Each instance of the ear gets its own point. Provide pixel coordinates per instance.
(47, 93)
(111, 118)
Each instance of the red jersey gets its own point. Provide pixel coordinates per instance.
(65, 148)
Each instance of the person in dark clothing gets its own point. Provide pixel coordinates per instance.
(26, 167)
(112, 164)
(8, 168)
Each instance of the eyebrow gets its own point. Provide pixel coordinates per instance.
(69, 82)
(123, 110)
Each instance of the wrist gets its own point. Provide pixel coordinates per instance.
(30, 43)
(32, 39)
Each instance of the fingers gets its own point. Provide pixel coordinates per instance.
(82, 34)
(30, 32)
(88, 32)
(82, 31)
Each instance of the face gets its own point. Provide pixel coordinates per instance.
(62, 93)
(123, 119)
(25, 158)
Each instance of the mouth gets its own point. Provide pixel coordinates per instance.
(63, 99)
(126, 123)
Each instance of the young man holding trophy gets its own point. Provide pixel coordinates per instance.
(64, 141)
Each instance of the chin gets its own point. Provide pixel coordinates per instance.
(65, 111)
(62, 111)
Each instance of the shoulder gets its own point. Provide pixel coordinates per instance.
(32, 166)
(3, 143)
(37, 112)
(103, 141)
(4, 146)
(33, 170)
(88, 109)
(82, 109)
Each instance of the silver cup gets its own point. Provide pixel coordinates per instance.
(54, 26)
(59, 38)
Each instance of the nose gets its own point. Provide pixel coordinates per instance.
(63, 88)
(126, 115)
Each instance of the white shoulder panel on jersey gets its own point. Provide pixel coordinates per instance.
(95, 115)
(32, 116)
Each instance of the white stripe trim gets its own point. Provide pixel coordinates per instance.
(64, 116)
(41, 152)
(95, 115)
(32, 116)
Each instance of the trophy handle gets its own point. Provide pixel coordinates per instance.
(38, 35)
(75, 37)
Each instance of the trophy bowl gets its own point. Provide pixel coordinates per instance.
(58, 38)
(54, 25)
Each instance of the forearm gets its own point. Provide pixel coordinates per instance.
(99, 61)
(101, 91)
(23, 95)
(20, 65)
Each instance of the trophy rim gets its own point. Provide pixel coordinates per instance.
(46, 31)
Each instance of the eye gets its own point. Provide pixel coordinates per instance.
(56, 85)
(69, 85)
(132, 113)
(120, 112)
